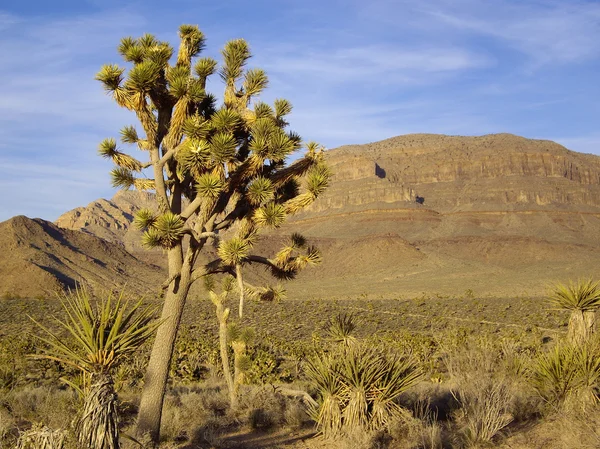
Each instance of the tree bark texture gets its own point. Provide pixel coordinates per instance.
(157, 373)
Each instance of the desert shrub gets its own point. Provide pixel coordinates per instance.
(54, 407)
(8, 428)
(484, 392)
(358, 387)
(263, 407)
(187, 410)
(485, 407)
(568, 375)
(191, 357)
(421, 429)
(265, 367)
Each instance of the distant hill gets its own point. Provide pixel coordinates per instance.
(40, 258)
(497, 214)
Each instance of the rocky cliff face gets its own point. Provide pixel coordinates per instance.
(496, 214)
(449, 174)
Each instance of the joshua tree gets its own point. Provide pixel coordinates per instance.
(102, 337)
(583, 300)
(214, 169)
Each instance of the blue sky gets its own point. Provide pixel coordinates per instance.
(355, 71)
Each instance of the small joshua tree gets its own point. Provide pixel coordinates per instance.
(582, 299)
(102, 337)
(215, 168)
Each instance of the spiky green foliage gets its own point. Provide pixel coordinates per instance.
(568, 372)
(103, 334)
(358, 387)
(233, 251)
(340, 329)
(169, 227)
(144, 218)
(582, 295)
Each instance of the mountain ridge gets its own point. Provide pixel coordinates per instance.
(498, 214)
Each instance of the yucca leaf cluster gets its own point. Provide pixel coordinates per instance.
(102, 333)
(583, 295)
(568, 374)
(358, 387)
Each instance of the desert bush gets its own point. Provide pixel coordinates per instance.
(52, 406)
(568, 375)
(485, 393)
(7, 428)
(358, 387)
(187, 409)
(485, 410)
(421, 429)
(263, 407)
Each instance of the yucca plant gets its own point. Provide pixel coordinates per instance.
(582, 299)
(358, 387)
(568, 374)
(102, 335)
(339, 330)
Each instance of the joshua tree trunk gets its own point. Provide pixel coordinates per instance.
(582, 325)
(155, 381)
(98, 427)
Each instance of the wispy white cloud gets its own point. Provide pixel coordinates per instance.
(379, 63)
(547, 32)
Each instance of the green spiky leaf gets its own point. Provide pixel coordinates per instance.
(143, 76)
(263, 110)
(270, 215)
(170, 228)
(110, 76)
(582, 295)
(196, 127)
(121, 178)
(260, 191)
(298, 241)
(235, 55)
(233, 252)
(282, 108)
(226, 120)
(255, 82)
(205, 67)
(209, 185)
(151, 238)
(129, 135)
(160, 54)
(144, 218)
(108, 148)
(318, 179)
(223, 147)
